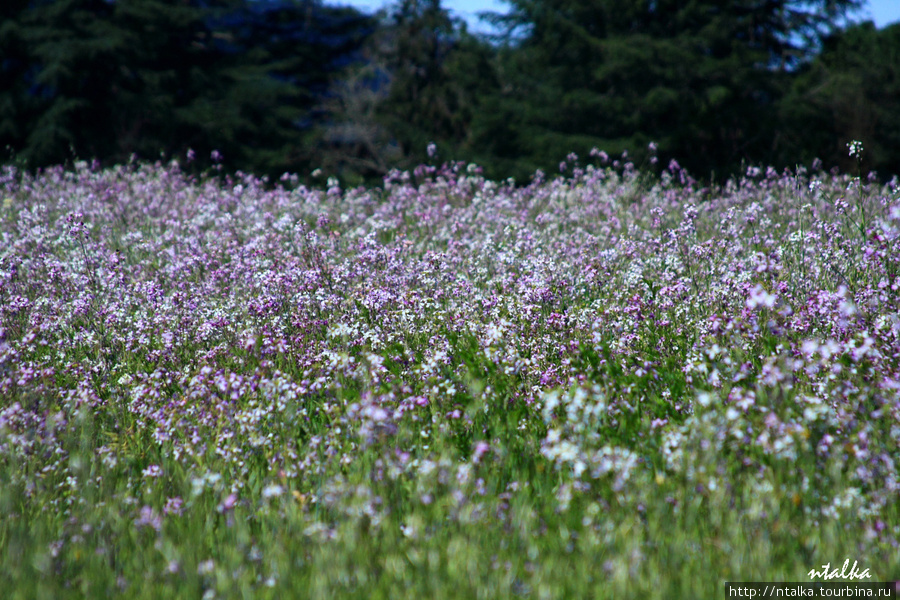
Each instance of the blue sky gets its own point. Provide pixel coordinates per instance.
(883, 12)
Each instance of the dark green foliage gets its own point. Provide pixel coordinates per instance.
(437, 72)
(699, 78)
(294, 85)
(102, 76)
(55, 86)
(300, 48)
(15, 110)
(850, 92)
(91, 78)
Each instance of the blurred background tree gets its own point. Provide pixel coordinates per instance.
(850, 91)
(699, 78)
(422, 80)
(108, 79)
(295, 85)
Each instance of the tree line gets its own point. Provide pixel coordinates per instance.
(274, 86)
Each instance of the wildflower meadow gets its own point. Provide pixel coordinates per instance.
(603, 384)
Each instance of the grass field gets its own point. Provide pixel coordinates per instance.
(603, 385)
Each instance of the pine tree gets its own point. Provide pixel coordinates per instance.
(70, 60)
(436, 72)
(700, 78)
(851, 91)
(108, 79)
(16, 108)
